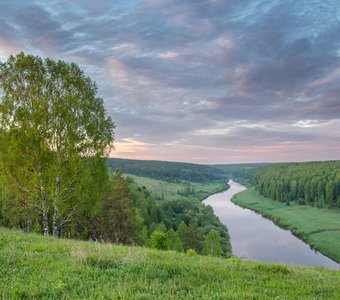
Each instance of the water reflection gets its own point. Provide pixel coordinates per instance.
(257, 238)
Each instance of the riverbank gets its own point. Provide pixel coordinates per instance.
(320, 228)
(37, 267)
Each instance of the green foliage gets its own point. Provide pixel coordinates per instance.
(167, 171)
(128, 213)
(243, 173)
(36, 267)
(121, 221)
(159, 240)
(191, 252)
(145, 201)
(175, 242)
(176, 208)
(181, 230)
(201, 220)
(50, 120)
(312, 183)
(212, 244)
(193, 237)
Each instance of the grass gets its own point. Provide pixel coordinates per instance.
(37, 267)
(171, 190)
(319, 227)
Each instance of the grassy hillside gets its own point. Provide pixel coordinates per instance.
(319, 227)
(181, 189)
(33, 266)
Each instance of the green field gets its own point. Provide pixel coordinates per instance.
(175, 190)
(319, 227)
(37, 267)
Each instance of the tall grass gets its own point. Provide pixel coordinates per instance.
(37, 267)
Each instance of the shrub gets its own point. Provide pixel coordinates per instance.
(191, 252)
(159, 240)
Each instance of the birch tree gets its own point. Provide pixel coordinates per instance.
(53, 121)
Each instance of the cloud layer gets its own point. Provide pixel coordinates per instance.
(203, 81)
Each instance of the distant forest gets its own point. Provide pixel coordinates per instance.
(312, 183)
(175, 171)
(243, 173)
(167, 171)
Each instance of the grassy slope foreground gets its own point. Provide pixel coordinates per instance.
(319, 227)
(33, 266)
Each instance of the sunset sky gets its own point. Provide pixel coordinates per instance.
(207, 81)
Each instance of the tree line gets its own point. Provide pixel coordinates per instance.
(312, 183)
(55, 136)
(166, 171)
(130, 215)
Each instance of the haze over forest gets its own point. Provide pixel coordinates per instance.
(199, 81)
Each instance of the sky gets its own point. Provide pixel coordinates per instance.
(207, 81)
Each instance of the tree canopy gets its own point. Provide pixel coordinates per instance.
(212, 244)
(310, 183)
(52, 123)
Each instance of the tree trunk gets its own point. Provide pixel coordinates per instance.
(28, 224)
(93, 235)
(45, 212)
(56, 210)
(45, 223)
(55, 222)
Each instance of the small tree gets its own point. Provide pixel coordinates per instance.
(194, 237)
(212, 244)
(121, 219)
(175, 242)
(159, 240)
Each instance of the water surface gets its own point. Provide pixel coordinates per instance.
(254, 237)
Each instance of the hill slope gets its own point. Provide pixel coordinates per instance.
(180, 190)
(33, 266)
(165, 170)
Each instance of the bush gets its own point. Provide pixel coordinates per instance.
(191, 252)
(159, 240)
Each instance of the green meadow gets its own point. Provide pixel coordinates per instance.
(181, 189)
(319, 227)
(37, 267)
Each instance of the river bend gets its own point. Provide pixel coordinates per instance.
(254, 237)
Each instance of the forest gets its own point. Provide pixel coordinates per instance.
(311, 183)
(168, 171)
(243, 173)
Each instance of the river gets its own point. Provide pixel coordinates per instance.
(254, 237)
